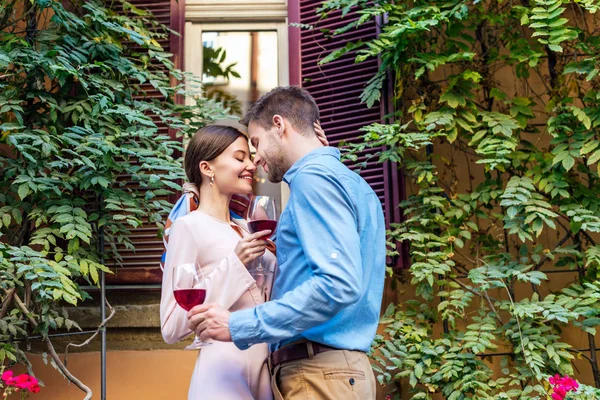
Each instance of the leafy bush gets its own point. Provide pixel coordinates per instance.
(81, 149)
(509, 91)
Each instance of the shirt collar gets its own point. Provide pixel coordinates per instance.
(321, 151)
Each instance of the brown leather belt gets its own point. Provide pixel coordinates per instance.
(297, 351)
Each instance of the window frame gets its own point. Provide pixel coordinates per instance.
(194, 27)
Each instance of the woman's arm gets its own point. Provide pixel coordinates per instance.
(181, 249)
(225, 284)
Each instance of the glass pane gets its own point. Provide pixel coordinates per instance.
(238, 68)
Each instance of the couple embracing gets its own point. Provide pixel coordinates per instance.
(310, 339)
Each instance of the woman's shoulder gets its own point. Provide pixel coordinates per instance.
(192, 221)
(200, 221)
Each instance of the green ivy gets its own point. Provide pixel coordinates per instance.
(509, 90)
(80, 150)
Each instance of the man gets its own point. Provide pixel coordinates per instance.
(326, 300)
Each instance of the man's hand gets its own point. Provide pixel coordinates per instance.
(210, 321)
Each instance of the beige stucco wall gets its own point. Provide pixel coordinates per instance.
(131, 375)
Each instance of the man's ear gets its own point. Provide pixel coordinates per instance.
(206, 169)
(280, 124)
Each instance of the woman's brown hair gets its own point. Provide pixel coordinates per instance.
(206, 145)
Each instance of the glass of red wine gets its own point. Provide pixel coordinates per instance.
(189, 289)
(262, 215)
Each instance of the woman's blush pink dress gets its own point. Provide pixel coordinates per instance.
(222, 371)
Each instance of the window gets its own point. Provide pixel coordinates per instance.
(239, 62)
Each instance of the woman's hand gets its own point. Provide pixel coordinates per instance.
(321, 133)
(251, 247)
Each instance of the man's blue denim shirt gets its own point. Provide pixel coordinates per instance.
(331, 254)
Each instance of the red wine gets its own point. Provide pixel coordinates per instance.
(188, 298)
(261, 225)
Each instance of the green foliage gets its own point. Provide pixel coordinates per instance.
(549, 25)
(497, 129)
(81, 149)
(213, 65)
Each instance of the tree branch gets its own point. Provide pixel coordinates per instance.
(88, 341)
(483, 295)
(584, 233)
(6, 302)
(52, 351)
(559, 244)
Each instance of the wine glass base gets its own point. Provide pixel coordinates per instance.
(260, 272)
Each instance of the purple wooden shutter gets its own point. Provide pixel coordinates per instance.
(142, 265)
(336, 87)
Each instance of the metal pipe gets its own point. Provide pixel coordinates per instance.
(103, 336)
(152, 286)
(102, 304)
(39, 337)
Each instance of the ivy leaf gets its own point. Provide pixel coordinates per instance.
(454, 100)
(418, 371)
(69, 298)
(23, 191)
(594, 158)
(93, 274)
(582, 117)
(83, 265)
(568, 162)
(589, 146)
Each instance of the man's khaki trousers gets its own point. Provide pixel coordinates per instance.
(332, 375)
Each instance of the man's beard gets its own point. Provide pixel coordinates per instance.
(275, 162)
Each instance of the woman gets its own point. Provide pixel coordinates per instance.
(218, 162)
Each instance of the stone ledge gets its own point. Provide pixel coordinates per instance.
(116, 339)
(126, 316)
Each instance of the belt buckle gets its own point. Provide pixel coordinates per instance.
(310, 350)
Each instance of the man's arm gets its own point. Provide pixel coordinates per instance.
(326, 225)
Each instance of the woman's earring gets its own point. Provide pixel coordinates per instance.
(212, 180)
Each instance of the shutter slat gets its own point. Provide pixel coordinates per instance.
(142, 265)
(337, 86)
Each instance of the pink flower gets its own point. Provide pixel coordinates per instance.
(7, 377)
(561, 386)
(34, 388)
(570, 383)
(22, 381)
(33, 385)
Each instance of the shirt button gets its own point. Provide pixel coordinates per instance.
(334, 255)
(352, 381)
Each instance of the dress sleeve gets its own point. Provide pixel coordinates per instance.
(226, 282)
(181, 249)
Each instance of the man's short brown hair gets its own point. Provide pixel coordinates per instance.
(291, 102)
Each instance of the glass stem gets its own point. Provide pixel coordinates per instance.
(260, 264)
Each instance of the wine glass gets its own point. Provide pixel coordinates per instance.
(262, 215)
(189, 289)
